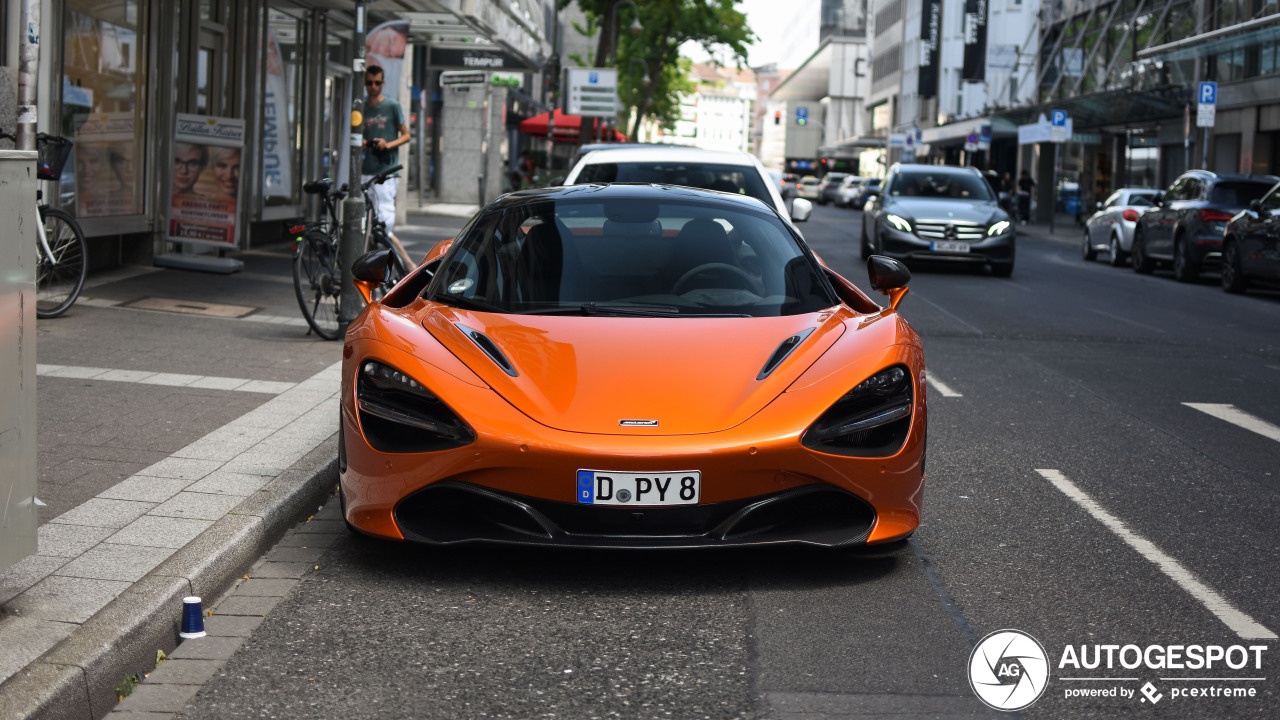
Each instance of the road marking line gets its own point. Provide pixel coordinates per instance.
(1236, 416)
(1243, 625)
(203, 382)
(1126, 320)
(941, 387)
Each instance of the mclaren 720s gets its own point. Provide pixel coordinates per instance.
(632, 366)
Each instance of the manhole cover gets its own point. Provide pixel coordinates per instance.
(191, 307)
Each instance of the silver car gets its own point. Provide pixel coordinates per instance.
(1110, 229)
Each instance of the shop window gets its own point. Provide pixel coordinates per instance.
(281, 104)
(103, 107)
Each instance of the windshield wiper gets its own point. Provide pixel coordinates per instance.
(469, 303)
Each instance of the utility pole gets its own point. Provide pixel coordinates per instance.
(353, 205)
(28, 67)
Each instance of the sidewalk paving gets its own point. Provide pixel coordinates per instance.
(185, 421)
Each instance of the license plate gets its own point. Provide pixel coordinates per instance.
(611, 487)
(946, 246)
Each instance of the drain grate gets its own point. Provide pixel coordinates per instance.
(191, 307)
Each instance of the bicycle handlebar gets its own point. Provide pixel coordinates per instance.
(381, 177)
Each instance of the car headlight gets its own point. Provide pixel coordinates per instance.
(998, 228)
(398, 414)
(871, 420)
(898, 222)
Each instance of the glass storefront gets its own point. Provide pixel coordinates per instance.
(103, 107)
(282, 102)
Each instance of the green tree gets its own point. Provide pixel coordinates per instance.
(655, 51)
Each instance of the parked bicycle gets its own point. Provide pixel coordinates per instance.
(61, 250)
(317, 259)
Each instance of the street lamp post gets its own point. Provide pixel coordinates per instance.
(635, 29)
(353, 205)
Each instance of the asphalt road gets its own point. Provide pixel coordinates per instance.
(1072, 494)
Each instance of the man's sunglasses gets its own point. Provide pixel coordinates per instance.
(373, 83)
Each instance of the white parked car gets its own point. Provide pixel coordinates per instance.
(850, 189)
(1110, 229)
(733, 172)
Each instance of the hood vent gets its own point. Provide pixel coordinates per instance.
(488, 347)
(784, 350)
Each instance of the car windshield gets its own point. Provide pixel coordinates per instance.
(737, 179)
(939, 185)
(1142, 199)
(630, 257)
(1238, 194)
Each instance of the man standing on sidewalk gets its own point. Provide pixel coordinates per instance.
(385, 129)
(1026, 186)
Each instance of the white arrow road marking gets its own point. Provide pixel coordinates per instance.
(1243, 625)
(941, 387)
(1236, 416)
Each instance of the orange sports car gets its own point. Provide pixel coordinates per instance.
(632, 366)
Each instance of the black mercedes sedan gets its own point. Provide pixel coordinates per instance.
(1185, 229)
(1251, 244)
(939, 212)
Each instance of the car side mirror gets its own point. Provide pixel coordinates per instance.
(890, 277)
(801, 209)
(373, 266)
(1256, 206)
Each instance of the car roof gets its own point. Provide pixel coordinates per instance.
(609, 191)
(666, 153)
(920, 167)
(1230, 177)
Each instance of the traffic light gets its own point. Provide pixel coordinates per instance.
(777, 117)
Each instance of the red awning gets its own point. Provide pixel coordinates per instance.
(566, 128)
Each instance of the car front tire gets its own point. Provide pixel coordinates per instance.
(1185, 269)
(1142, 264)
(1233, 280)
(1086, 248)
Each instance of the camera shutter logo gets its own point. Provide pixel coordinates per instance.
(1008, 670)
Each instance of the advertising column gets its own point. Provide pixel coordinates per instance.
(206, 181)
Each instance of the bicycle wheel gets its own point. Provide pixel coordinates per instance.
(60, 278)
(317, 281)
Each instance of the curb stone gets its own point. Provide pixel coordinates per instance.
(77, 678)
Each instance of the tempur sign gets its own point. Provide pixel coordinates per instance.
(1009, 671)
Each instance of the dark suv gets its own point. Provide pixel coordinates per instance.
(1185, 229)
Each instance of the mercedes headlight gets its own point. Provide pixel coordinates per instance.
(898, 222)
(998, 228)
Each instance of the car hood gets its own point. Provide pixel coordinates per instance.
(930, 209)
(591, 374)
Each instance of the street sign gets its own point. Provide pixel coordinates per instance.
(802, 115)
(971, 142)
(1058, 126)
(590, 92)
(1206, 108)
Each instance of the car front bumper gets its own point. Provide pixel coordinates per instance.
(903, 245)
(516, 483)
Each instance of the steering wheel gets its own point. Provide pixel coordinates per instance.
(746, 282)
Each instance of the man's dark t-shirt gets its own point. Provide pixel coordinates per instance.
(1026, 184)
(381, 121)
